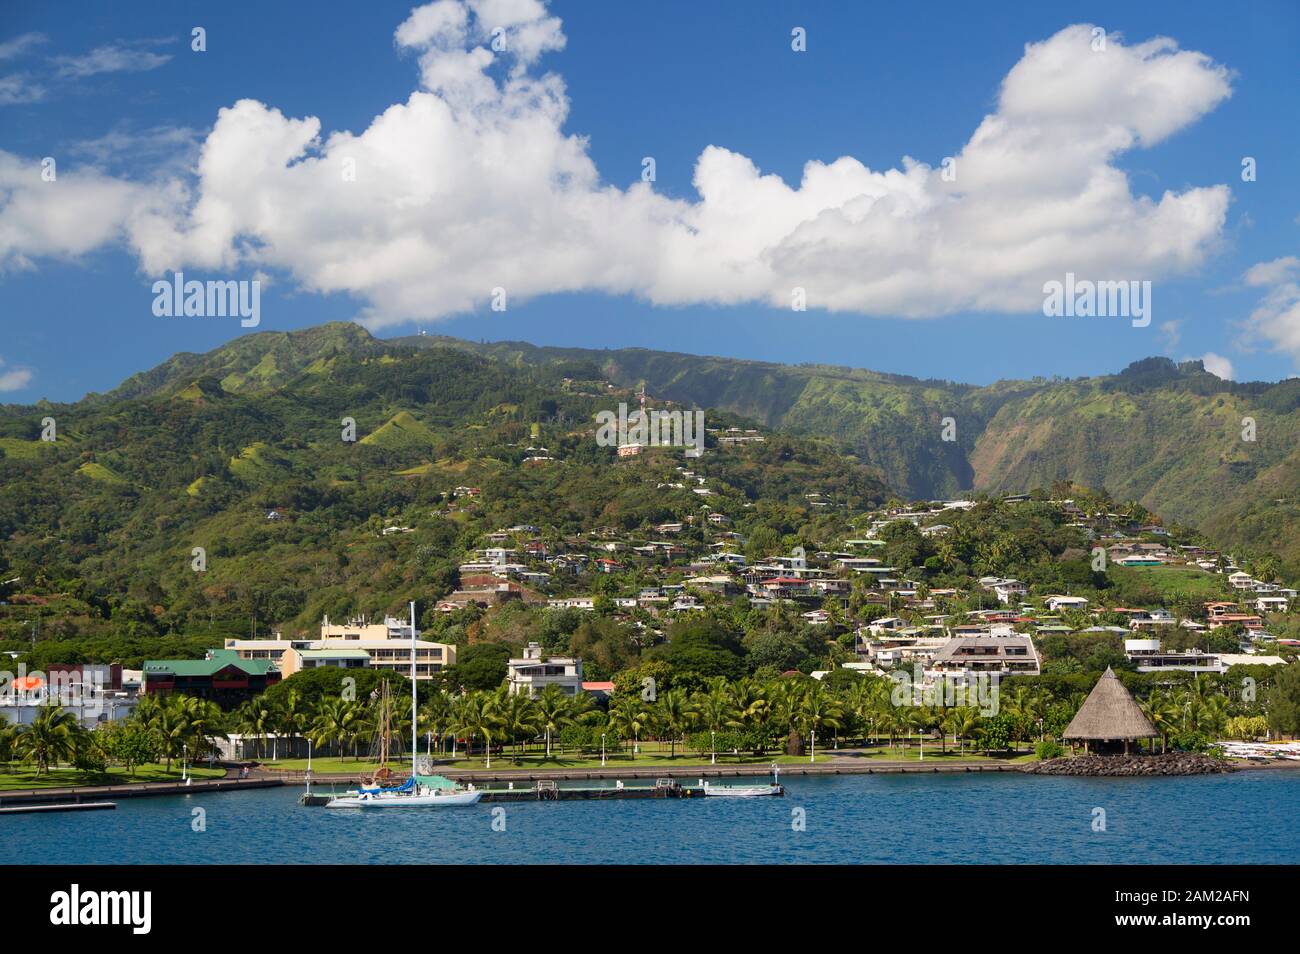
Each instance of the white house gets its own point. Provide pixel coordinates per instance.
(535, 671)
(1057, 603)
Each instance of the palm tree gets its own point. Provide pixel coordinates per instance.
(8, 741)
(1163, 713)
(628, 717)
(172, 728)
(295, 715)
(785, 698)
(753, 703)
(479, 718)
(819, 709)
(862, 704)
(518, 716)
(675, 714)
(256, 718)
(337, 720)
(436, 716)
(50, 738)
(204, 723)
(716, 710)
(555, 711)
(964, 720)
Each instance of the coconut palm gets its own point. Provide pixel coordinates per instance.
(786, 698)
(172, 728)
(478, 717)
(964, 721)
(555, 711)
(435, 716)
(295, 715)
(1163, 711)
(50, 738)
(338, 721)
(753, 707)
(8, 741)
(518, 717)
(817, 710)
(257, 718)
(716, 710)
(629, 716)
(674, 714)
(204, 722)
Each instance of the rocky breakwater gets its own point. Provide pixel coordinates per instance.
(1173, 763)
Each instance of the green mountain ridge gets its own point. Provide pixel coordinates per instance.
(101, 525)
(1169, 436)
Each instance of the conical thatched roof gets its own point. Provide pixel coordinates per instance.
(1109, 713)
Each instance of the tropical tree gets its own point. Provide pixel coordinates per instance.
(172, 729)
(517, 715)
(132, 744)
(435, 716)
(819, 709)
(295, 715)
(629, 716)
(339, 721)
(478, 718)
(555, 711)
(8, 742)
(674, 715)
(753, 709)
(964, 721)
(715, 710)
(50, 738)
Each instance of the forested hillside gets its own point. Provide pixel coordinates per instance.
(251, 467)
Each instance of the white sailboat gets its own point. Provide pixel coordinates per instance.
(418, 791)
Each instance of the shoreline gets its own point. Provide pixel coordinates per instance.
(284, 777)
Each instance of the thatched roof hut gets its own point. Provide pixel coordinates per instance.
(1109, 715)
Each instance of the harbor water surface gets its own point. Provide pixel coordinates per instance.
(1242, 818)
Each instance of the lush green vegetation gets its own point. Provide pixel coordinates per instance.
(215, 496)
(1168, 435)
(202, 449)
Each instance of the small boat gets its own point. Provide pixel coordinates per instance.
(419, 790)
(416, 793)
(742, 791)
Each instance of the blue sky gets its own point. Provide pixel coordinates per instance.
(117, 90)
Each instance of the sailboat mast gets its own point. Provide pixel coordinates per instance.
(414, 735)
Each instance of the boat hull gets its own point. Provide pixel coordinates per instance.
(743, 791)
(367, 802)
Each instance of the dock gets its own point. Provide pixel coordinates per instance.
(59, 807)
(548, 790)
(81, 794)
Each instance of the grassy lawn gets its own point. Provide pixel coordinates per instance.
(538, 760)
(14, 776)
(1174, 582)
(884, 753)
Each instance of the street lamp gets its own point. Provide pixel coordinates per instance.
(713, 757)
(602, 750)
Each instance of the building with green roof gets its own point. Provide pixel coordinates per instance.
(220, 676)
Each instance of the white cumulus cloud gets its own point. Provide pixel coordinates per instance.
(15, 379)
(1275, 320)
(473, 183)
(1217, 365)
